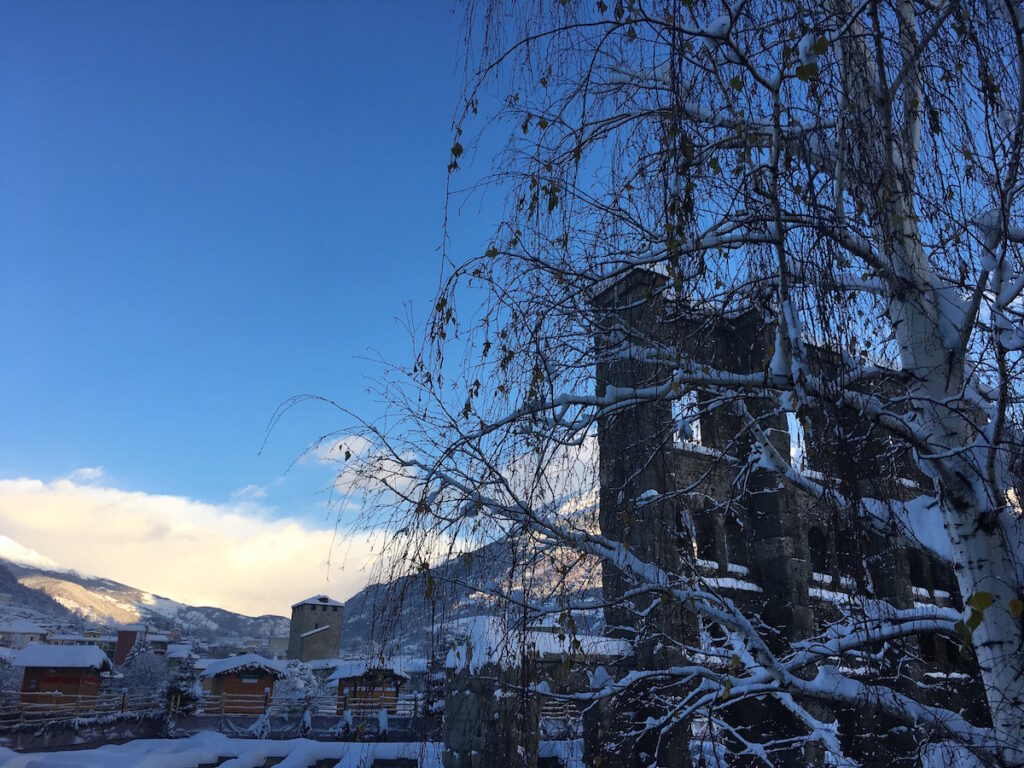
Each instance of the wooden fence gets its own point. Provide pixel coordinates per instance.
(327, 705)
(42, 709)
(52, 708)
(558, 709)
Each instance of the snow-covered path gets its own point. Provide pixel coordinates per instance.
(209, 748)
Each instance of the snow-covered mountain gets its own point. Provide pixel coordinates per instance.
(13, 552)
(64, 597)
(405, 615)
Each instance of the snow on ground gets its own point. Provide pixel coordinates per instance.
(920, 518)
(569, 753)
(209, 747)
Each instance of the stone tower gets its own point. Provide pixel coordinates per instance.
(674, 495)
(315, 629)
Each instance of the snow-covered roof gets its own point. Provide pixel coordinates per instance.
(21, 626)
(318, 600)
(77, 656)
(407, 665)
(484, 640)
(347, 668)
(243, 663)
(304, 635)
(74, 637)
(549, 643)
(322, 664)
(179, 650)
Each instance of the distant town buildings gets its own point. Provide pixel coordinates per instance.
(18, 633)
(131, 634)
(278, 646)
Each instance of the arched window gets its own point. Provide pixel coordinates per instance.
(686, 418)
(928, 643)
(735, 542)
(705, 532)
(944, 578)
(817, 545)
(797, 442)
(918, 568)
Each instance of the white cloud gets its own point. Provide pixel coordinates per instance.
(332, 451)
(86, 475)
(250, 492)
(232, 556)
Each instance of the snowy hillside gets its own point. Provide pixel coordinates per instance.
(405, 613)
(62, 596)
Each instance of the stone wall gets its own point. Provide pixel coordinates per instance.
(485, 725)
(680, 506)
(325, 644)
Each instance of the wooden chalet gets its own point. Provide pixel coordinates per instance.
(243, 685)
(53, 673)
(364, 688)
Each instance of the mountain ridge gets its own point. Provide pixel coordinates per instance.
(66, 597)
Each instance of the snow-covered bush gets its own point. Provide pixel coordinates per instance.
(183, 689)
(144, 672)
(299, 682)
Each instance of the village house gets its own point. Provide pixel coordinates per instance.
(128, 635)
(18, 633)
(365, 688)
(55, 672)
(241, 685)
(278, 646)
(178, 653)
(106, 643)
(66, 638)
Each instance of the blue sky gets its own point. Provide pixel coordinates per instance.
(208, 208)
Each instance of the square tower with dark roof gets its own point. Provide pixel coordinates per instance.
(316, 629)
